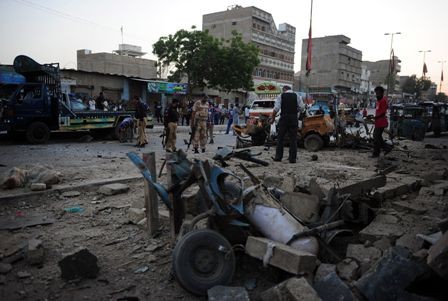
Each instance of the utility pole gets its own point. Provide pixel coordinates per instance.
(441, 75)
(391, 54)
(424, 62)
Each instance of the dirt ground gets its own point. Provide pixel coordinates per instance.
(123, 248)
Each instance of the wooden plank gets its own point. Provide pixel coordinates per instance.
(151, 198)
(177, 214)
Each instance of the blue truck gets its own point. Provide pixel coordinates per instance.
(31, 102)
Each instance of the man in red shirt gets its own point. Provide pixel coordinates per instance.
(380, 124)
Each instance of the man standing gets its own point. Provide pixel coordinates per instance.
(141, 110)
(199, 124)
(230, 116)
(99, 102)
(171, 118)
(211, 121)
(246, 114)
(158, 112)
(380, 124)
(289, 103)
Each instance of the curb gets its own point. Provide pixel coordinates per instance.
(86, 186)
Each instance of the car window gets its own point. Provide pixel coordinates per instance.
(263, 104)
(77, 105)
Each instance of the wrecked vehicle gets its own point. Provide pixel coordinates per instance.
(204, 257)
(314, 132)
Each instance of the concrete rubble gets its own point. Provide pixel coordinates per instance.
(112, 189)
(294, 289)
(79, 263)
(225, 293)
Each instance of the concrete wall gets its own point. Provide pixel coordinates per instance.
(109, 63)
(334, 63)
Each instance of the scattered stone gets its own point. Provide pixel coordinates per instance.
(23, 274)
(5, 268)
(71, 194)
(141, 270)
(227, 293)
(135, 215)
(284, 257)
(382, 226)
(390, 276)
(112, 189)
(409, 206)
(440, 189)
(35, 252)
(323, 270)
(361, 253)
(382, 244)
(271, 181)
(410, 242)
(250, 284)
(331, 287)
(14, 178)
(316, 189)
(293, 289)
(348, 269)
(304, 206)
(420, 254)
(438, 256)
(288, 183)
(152, 247)
(314, 157)
(38, 186)
(397, 185)
(431, 238)
(79, 264)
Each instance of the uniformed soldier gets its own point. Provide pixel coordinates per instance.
(170, 119)
(289, 103)
(199, 124)
(141, 109)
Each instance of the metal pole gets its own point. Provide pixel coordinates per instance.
(389, 81)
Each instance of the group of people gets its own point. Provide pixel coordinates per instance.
(100, 103)
(203, 118)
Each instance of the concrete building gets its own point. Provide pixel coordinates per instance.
(379, 72)
(129, 64)
(335, 65)
(276, 44)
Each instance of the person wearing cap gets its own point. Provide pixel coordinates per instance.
(380, 124)
(170, 121)
(199, 124)
(289, 104)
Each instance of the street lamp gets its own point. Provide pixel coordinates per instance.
(391, 34)
(441, 74)
(424, 63)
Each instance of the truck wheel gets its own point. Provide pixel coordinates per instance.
(37, 133)
(313, 142)
(203, 259)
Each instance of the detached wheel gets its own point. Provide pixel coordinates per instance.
(313, 142)
(203, 259)
(37, 133)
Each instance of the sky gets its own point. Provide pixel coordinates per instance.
(52, 31)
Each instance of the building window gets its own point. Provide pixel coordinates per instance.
(254, 25)
(263, 28)
(234, 23)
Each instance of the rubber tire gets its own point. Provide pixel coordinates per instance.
(187, 273)
(37, 133)
(313, 142)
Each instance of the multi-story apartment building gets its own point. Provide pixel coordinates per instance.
(379, 72)
(335, 65)
(276, 45)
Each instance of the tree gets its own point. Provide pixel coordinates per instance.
(206, 61)
(441, 97)
(191, 52)
(235, 65)
(414, 85)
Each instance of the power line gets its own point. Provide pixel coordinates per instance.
(71, 17)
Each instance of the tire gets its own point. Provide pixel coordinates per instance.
(313, 142)
(203, 259)
(37, 133)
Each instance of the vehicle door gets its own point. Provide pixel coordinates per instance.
(30, 103)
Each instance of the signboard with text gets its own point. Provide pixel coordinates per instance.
(167, 88)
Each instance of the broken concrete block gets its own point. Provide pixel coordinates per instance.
(433, 176)
(397, 185)
(79, 264)
(382, 244)
(382, 226)
(331, 287)
(135, 215)
(348, 269)
(410, 242)
(440, 189)
(438, 256)
(304, 206)
(323, 270)
(390, 276)
(43, 174)
(293, 289)
(288, 183)
(112, 189)
(71, 194)
(361, 253)
(227, 293)
(284, 257)
(38, 186)
(316, 190)
(35, 252)
(23, 274)
(271, 181)
(409, 206)
(5, 268)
